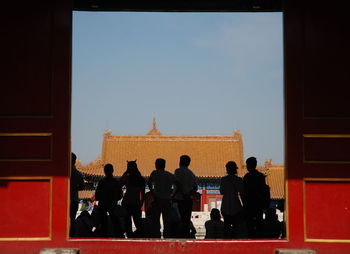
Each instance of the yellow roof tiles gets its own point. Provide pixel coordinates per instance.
(209, 154)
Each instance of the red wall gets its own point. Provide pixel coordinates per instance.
(35, 134)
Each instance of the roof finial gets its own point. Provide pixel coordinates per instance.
(154, 130)
(154, 124)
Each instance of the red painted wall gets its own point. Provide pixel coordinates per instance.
(35, 134)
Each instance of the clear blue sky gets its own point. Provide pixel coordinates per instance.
(196, 73)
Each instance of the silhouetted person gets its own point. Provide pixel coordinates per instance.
(254, 184)
(108, 192)
(83, 225)
(161, 184)
(272, 227)
(214, 228)
(187, 186)
(193, 231)
(280, 206)
(231, 187)
(133, 198)
(76, 184)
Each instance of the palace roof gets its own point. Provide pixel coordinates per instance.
(209, 154)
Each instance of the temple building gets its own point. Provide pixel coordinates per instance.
(209, 154)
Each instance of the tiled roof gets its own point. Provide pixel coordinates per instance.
(94, 168)
(85, 194)
(275, 178)
(209, 154)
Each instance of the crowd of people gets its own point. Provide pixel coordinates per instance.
(111, 214)
(244, 203)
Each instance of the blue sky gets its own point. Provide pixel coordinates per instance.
(196, 73)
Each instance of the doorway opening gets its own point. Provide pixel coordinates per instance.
(160, 85)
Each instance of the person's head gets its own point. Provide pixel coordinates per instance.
(132, 169)
(160, 164)
(185, 161)
(251, 163)
(108, 169)
(231, 168)
(215, 214)
(74, 159)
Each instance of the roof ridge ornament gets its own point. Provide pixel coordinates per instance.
(154, 124)
(154, 130)
(107, 133)
(237, 134)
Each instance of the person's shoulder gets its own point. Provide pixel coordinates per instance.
(185, 171)
(142, 179)
(249, 173)
(250, 176)
(238, 178)
(224, 178)
(125, 175)
(179, 172)
(190, 171)
(102, 180)
(75, 171)
(260, 175)
(111, 180)
(218, 222)
(78, 172)
(256, 172)
(225, 181)
(169, 174)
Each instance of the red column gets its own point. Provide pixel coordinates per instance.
(203, 199)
